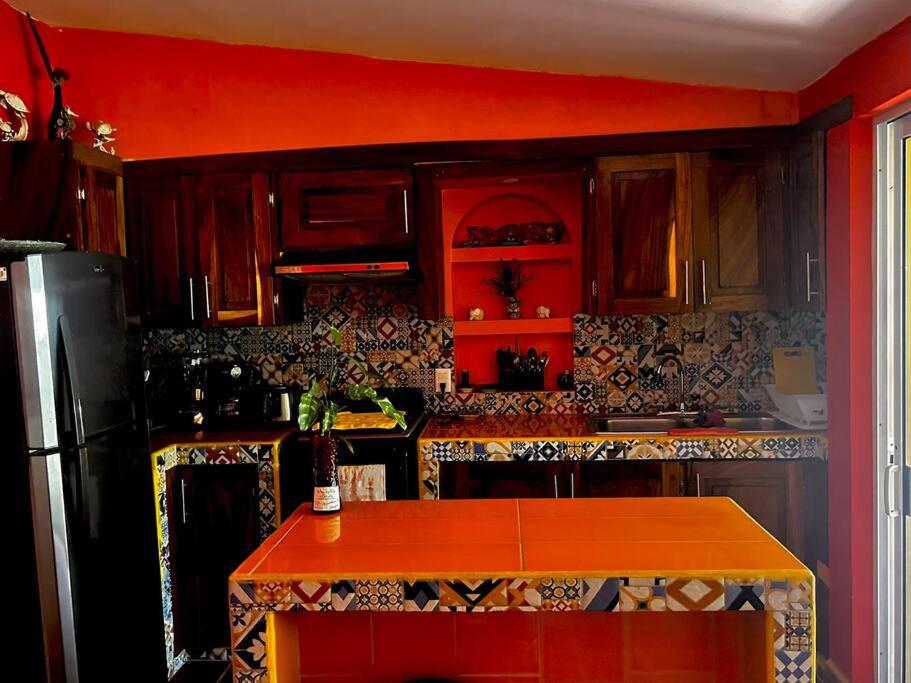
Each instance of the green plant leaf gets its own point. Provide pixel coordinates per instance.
(329, 414)
(390, 410)
(348, 444)
(309, 409)
(359, 392)
(336, 335)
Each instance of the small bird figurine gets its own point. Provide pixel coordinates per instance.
(102, 131)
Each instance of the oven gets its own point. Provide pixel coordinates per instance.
(391, 452)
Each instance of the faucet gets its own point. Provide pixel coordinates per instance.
(659, 369)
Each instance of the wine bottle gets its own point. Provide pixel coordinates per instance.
(326, 495)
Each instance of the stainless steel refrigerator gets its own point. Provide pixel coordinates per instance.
(74, 357)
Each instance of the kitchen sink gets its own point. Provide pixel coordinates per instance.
(659, 424)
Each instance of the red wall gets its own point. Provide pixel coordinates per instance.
(877, 76)
(873, 75)
(173, 97)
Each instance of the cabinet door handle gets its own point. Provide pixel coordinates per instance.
(205, 284)
(556, 490)
(810, 292)
(183, 501)
(698, 485)
(572, 484)
(705, 298)
(686, 281)
(192, 300)
(405, 202)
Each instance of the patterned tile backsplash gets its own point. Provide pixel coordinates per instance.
(727, 357)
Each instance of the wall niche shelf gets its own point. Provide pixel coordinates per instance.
(514, 326)
(559, 195)
(561, 251)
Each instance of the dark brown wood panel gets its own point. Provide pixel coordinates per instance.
(738, 227)
(502, 480)
(235, 240)
(212, 527)
(643, 234)
(103, 211)
(616, 479)
(807, 290)
(162, 240)
(406, 154)
(341, 209)
(769, 491)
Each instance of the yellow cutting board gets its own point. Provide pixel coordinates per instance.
(795, 370)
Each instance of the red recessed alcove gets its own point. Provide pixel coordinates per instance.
(556, 268)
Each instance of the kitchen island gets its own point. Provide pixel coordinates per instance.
(630, 589)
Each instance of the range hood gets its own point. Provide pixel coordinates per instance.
(360, 264)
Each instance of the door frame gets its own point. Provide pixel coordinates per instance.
(891, 255)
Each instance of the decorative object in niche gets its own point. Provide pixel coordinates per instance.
(102, 131)
(476, 314)
(521, 372)
(565, 380)
(508, 281)
(514, 234)
(543, 312)
(15, 130)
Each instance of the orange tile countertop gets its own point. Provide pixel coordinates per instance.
(629, 537)
(564, 564)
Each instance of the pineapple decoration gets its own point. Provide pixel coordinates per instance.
(102, 131)
(16, 129)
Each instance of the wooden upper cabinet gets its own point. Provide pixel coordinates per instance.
(643, 240)
(337, 209)
(236, 249)
(738, 222)
(100, 195)
(162, 239)
(807, 288)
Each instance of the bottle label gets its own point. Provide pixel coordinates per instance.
(326, 499)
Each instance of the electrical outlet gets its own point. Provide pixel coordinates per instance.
(442, 380)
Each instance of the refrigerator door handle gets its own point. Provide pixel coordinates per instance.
(72, 380)
(53, 552)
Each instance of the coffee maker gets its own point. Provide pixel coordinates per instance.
(231, 391)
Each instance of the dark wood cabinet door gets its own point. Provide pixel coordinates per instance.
(623, 479)
(212, 527)
(162, 239)
(103, 213)
(738, 227)
(236, 249)
(336, 209)
(769, 491)
(643, 239)
(807, 233)
(502, 480)
(99, 192)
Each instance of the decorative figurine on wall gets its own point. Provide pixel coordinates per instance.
(15, 130)
(476, 314)
(507, 282)
(102, 131)
(543, 312)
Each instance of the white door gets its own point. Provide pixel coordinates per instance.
(893, 400)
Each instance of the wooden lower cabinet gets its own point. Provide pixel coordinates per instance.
(212, 528)
(568, 479)
(788, 498)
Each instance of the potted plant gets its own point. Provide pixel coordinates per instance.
(317, 413)
(507, 282)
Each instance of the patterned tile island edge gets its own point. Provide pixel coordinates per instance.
(265, 457)
(780, 446)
